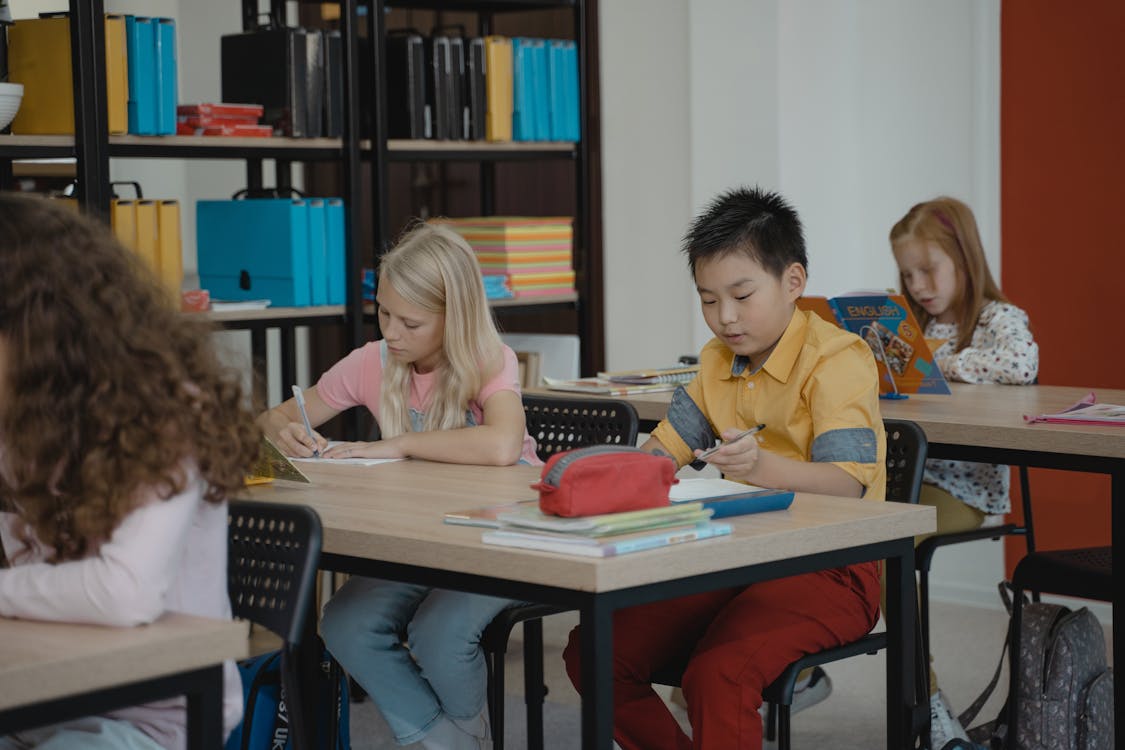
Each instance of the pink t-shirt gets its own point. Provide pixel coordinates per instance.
(357, 380)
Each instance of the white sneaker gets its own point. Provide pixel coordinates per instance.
(944, 726)
(811, 690)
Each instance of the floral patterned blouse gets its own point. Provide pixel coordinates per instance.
(1002, 351)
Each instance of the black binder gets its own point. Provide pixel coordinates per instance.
(269, 67)
(476, 97)
(456, 82)
(409, 113)
(438, 67)
(315, 80)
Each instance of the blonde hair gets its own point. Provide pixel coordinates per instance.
(433, 267)
(949, 223)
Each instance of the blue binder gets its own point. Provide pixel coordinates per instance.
(529, 90)
(255, 249)
(318, 252)
(140, 43)
(336, 245)
(541, 93)
(562, 61)
(165, 77)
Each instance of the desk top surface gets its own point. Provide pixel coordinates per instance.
(979, 415)
(45, 660)
(393, 512)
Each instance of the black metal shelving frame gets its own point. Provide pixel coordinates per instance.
(92, 147)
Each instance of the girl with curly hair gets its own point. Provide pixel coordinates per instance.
(443, 387)
(120, 438)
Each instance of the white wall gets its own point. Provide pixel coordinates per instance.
(854, 110)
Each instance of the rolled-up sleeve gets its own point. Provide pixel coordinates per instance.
(686, 427)
(843, 396)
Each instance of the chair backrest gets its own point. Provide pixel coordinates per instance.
(906, 459)
(273, 551)
(559, 424)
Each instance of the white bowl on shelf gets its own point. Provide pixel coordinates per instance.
(10, 96)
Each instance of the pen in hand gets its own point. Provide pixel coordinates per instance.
(711, 451)
(300, 398)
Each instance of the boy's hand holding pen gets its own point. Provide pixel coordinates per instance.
(730, 437)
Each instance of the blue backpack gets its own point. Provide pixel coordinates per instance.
(265, 721)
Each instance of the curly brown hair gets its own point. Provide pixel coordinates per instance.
(110, 393)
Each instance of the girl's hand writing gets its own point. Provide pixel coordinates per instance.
(736, 460)
(378, 449)
(294, 440)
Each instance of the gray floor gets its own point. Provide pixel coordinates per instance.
(967, 643)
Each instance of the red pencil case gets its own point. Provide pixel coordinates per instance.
(604, 479)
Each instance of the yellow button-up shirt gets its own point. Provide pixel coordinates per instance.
(817, 394)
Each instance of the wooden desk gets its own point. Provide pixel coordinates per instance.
(985, 423)
(385, 521)
(51, 672)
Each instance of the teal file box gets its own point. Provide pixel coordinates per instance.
(256, 248)
(318, 252)
(337, 249)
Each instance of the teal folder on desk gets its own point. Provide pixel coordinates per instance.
(255, 248)
(140, 42)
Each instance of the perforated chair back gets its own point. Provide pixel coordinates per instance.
(559, 424)
(906, 460)
(273, 551)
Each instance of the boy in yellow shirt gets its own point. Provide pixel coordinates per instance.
(815, 387)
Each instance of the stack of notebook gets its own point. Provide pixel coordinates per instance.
(532, 255)
(606, 535)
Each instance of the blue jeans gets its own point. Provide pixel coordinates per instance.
(414, 649)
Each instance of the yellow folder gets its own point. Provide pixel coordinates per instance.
(123, 218)
(116, 75)
(146, 234)
(169, 245)
(498, 87)
(39, 58)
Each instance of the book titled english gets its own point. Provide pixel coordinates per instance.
(887, 324)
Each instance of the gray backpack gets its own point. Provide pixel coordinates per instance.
(1065, 689)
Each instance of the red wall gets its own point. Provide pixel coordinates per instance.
(1062, 161)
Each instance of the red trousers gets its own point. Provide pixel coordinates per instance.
(739, 641)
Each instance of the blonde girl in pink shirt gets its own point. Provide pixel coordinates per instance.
(120, 438)
(442, 387)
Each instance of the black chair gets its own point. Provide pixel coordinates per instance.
(273, 551)
(1086, 573)
(558, 424)
(924, 554)
(906, 458)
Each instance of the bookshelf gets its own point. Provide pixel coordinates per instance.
(359, 166)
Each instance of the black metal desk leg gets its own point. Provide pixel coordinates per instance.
(205, 709)
(904, 719)
(597, 675)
